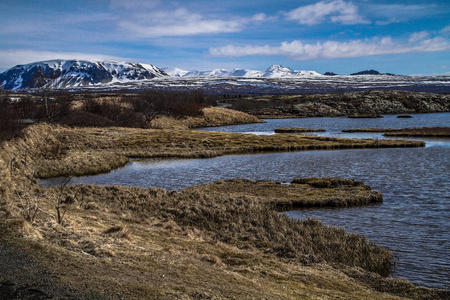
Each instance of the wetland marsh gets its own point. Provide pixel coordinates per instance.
(412, 220)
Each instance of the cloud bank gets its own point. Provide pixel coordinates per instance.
(299, 50)
(338, 11)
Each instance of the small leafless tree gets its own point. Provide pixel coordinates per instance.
(62, 201)
(56, 103)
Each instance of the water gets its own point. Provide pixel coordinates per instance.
(412, 221)
(334, 126)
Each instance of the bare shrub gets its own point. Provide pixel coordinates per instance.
(29, 207)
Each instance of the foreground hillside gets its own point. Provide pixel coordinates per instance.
(223, 240)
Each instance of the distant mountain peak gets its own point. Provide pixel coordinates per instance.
(278, 68)
(274, 71)
(77, 73)
(367, 72)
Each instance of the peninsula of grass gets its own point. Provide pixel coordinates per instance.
(365, 116)
(369, 130)
(421, 132)
(225, 240)
(301, 193)
(83, 151)
(297, 130)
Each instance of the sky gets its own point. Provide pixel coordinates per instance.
(402, 37)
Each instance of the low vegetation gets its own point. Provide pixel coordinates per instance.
(365, 116)
(421, 132)
(224, 240)
(220, 240)
(149, 109)
(84, 151)
(411, 132)
(369, 130)
(315, 192)
(297, 130)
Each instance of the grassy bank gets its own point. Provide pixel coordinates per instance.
(81, 151)
(365, 116)
(369, 130)
(421, 132)
(297, 130)
(212, 117)
(224, 240)
(315, 192)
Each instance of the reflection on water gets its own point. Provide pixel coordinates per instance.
(412, 221)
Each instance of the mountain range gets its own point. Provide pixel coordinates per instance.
(274, 71)
(75, 73)
(84, 73)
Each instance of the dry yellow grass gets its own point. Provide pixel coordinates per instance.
(201, 243)
(424, 131)
(81, 151)
(212, 116)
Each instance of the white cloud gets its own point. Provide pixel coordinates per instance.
(182, 22)
(299, 50)
(418, 36)
(338, 11)
(12, 57)
(445, 30)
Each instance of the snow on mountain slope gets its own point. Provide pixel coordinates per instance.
(175, 72)
(209, 73)
(76, 73)
(278, 71)
(307, 73)
(274, 71)
(246, 73)
(82, 73)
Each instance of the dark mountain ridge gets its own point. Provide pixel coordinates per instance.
(75, 73)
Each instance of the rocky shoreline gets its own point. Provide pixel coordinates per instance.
(374, 102)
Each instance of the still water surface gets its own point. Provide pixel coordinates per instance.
(413, 220)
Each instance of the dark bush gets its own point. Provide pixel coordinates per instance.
(9, 125)
(176, 104)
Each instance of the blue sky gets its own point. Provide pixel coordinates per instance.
(403, 37)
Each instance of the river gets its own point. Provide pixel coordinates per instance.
(412, 221)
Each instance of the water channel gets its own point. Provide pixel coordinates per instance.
(412, 221)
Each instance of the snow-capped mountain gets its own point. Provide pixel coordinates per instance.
(278, 71)
(76, 73)
(83, 73)
(175, 72)
(209, 73)
(246, 73)
(274, 71)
